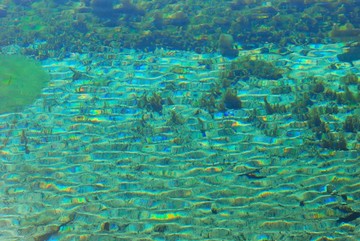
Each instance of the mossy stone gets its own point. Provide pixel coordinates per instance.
(231, 100)
(21, 82)
(226, 46)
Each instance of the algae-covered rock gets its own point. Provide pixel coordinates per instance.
(226, 46)
(3, 11)
(352, 54)
(246, 66)
(21, 81)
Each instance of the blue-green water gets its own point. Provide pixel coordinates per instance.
(183, 138)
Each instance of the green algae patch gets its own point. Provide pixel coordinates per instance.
(21, 82)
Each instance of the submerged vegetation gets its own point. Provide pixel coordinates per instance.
(191, 25)
(99, 25)
(352, 124)
(244, 144)
(250, 66)
(21, 82)
(335, 142)
(153, 102)
(275, 108)
(318, 103)
(230, 100)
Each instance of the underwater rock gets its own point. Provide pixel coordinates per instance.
(352, 54)
(290, 6)
(129, 9)
(158, 21)
(80, 26)
(151, 103)
(59, 2)
(350, 79)
(238, 5)
(246, 66)
(21, 82)
(333, 142)
(263, 12)
(349, 217)
(178, 19)
(346, 32)
(226, 46)
(251, 22)
(3, 11)
(23, 2)
(231, 100)
(352, 124)
(103, 9)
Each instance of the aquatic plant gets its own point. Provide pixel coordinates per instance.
(350, 79)
(272, 131)
(344, 32)
(247, 66)
(175, 118)
(275, 108)
(155, 102)
(349, 96)
(129, 9)
(3, 11)
(330, 108)
(318, 87)
(103, 8)
(334, 141)
(238, 4)
(352, 124)
(226, 46)
(151, 103)
(248, 21)
(231, 100)
(352, 52)
(330, 95)
(301, 105)
(169, 101)
(179, 18)
(346, 97)
(158, 20)
(208, 102)
(283, 89)
(21, 81)
(161, 228)
(314, 118)
(316, 124)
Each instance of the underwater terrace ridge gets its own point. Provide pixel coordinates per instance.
(174, 145)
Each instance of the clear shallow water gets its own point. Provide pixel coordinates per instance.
(159, 144)
(100, 167)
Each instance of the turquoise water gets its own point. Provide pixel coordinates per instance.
(256, 141)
